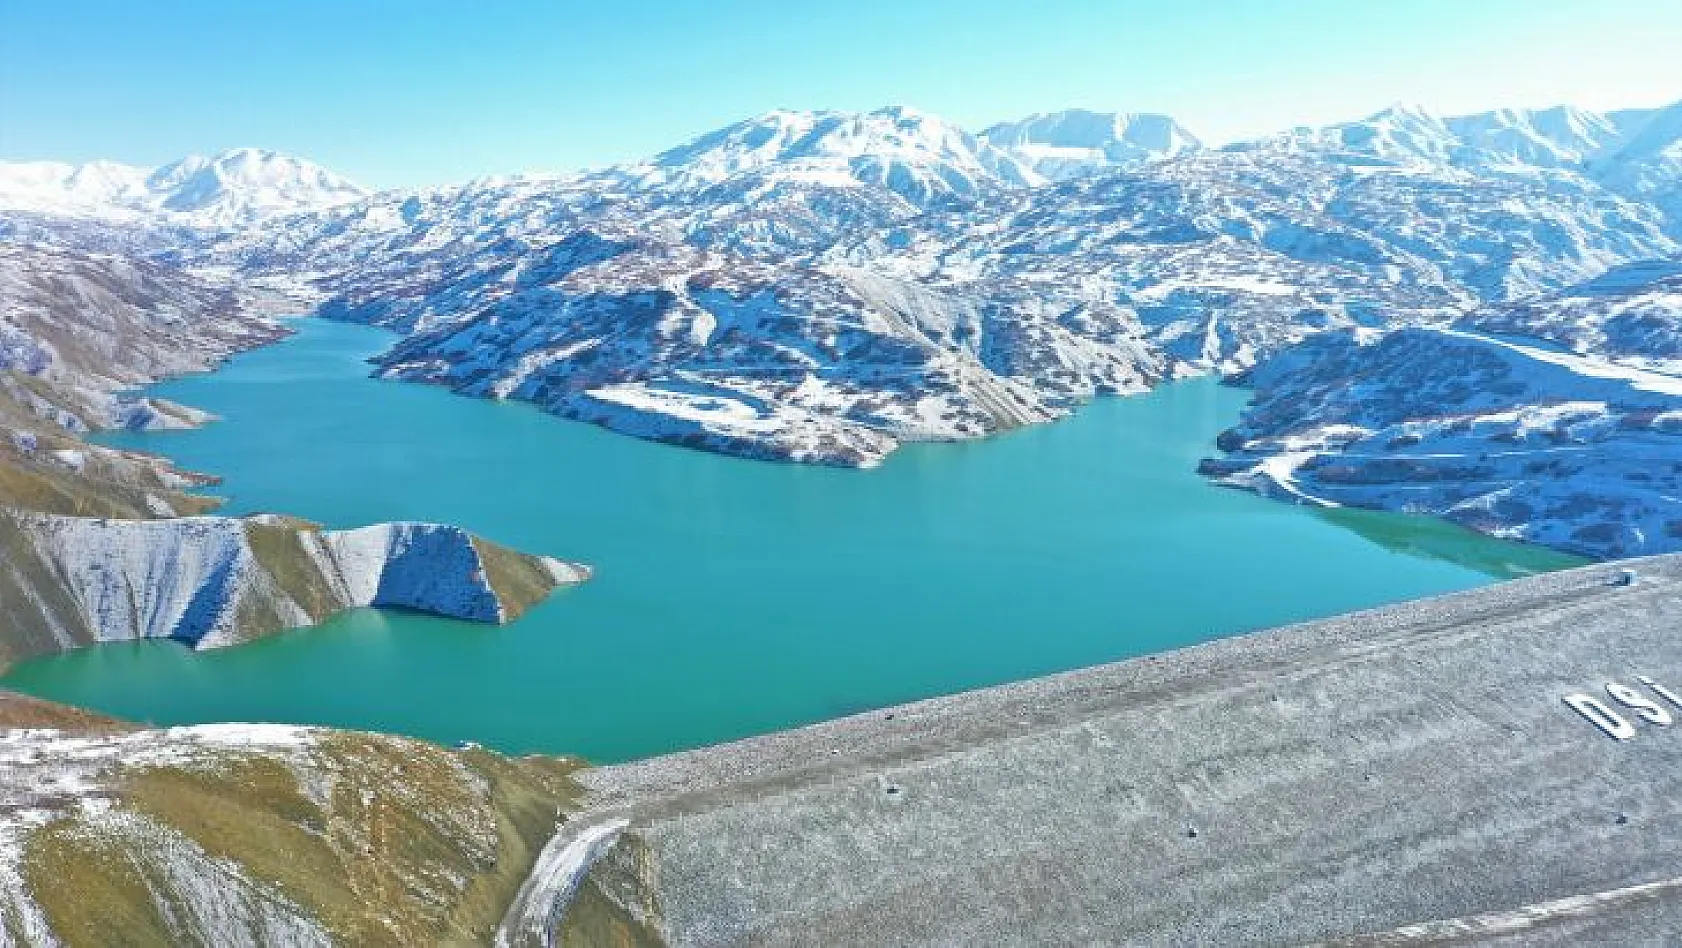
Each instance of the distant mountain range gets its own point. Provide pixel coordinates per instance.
(822, 286)
(235, 187)
(912, 153)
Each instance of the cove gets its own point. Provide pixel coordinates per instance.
(734, 597)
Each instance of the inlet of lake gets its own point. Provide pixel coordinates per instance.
(735, 597)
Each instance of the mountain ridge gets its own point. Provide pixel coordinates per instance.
(232, 188)
(823, 286)
(1552, 136)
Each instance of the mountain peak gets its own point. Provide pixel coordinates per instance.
(1404, 110)
(237, 186)
(916, 154)
(1073, 142)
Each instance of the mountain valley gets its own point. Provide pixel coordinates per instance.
(1475, 318)
(825, 286)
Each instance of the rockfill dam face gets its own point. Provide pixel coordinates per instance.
(1410, 774)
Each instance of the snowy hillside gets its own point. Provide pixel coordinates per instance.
(1634, 153)
(759, 291)
(1646, 165)
(1557, 420)
(1545, 138)
(75, 331)
(1630, 314)
(823, 286)
(917, 156)
(1076, 142)
(236, 187)
(1402, 133)
(1558, 137)
(259, 834)
(108, 322)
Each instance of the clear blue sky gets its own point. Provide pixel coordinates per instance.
(405, 92)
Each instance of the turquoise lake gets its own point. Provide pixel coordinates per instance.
(734, 597)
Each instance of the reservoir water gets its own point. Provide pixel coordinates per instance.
(734, 597)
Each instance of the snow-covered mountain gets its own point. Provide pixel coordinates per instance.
(917, 156)
(1077, 142)
(1646, 165)
(1636, 153)
(1556, 420)
(1545, 138)
(1558, 137)
(1400, 134)
(1648, 134)
(236, 187)
(822, 286)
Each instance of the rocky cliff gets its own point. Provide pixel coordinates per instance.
(213, 581)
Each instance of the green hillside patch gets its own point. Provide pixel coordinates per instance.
(412, 845)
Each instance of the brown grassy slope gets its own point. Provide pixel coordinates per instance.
(19, 710)
(106, 482)
(411, 844)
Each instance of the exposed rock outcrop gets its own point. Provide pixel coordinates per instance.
(213, 581)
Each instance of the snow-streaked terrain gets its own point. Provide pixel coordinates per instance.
(917, 156)
(1557, 421)
(216, 581)
(258, 834)
(237, 187)
(1077, 142)
(96, 325)
(52, 778)
(823, 286)
(92, 544)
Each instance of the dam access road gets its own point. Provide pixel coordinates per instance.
(1412, 774)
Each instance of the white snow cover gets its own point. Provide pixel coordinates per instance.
(1633, 151)
(917, 155)
(1517, 437)
(821, 286)
(1076, 142)
(150, 579)
(240, 186)
(547, 891)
